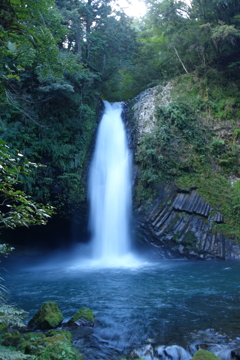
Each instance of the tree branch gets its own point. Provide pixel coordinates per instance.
(180, 60)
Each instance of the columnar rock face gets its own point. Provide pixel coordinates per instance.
(180, 223)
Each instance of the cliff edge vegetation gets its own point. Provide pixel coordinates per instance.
(195, 143)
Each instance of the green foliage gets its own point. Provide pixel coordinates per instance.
(66, 333)
(11, 316)
(218, 146)
(17, 209)
(12, 354)
(177, 145)
(55, 62)
(236, 134)
(56, 345)
(175, 38)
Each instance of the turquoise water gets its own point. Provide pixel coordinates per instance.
(163, 301)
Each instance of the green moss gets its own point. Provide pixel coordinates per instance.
(84, 313)
(48, 316)
(176, 237)
(66, 333)
(216, 190)
(205, 355)
(189, 240)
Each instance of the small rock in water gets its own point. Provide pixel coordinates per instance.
(149, 341)
(83, 317)
(145, 352)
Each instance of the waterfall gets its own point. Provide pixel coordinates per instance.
(110, 188)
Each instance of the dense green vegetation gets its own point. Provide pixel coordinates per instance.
(55, 61)
(58, 58)
(175, 39)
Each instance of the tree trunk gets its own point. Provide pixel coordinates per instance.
(79, 41)
(180, 60)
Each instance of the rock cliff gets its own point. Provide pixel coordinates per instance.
(175, 221)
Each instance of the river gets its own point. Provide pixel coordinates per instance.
(162, 301)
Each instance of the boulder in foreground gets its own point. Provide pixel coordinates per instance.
(48, 317)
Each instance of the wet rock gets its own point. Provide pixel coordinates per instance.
(173, 352)
(211, 340)
(181, 222)
(148, 352)
(48, 317)
(144, 352)
(83, 317)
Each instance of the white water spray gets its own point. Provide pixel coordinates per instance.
(110, 189)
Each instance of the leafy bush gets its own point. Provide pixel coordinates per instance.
(217, 146)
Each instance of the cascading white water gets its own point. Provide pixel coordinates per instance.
(110, 188)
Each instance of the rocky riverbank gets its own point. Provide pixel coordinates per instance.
(47, 337)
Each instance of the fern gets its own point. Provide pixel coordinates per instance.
(8, 354)
(11, 316)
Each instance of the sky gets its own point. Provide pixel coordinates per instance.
(136, 8)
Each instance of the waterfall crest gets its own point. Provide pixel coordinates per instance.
(110, 188)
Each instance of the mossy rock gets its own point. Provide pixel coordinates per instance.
(48, 317)
(83, 317)
(205, 355)
(66, 333)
